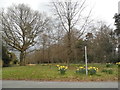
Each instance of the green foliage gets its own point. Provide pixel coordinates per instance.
(6, 57)
(109, 65)
(80, 44)
(92, 71)
(108, 71)
(81, 71)
(15, 61)
(118, 63)
(47, 73)
(117, 23)
(117, 32)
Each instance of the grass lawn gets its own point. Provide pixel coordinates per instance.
(50, 73)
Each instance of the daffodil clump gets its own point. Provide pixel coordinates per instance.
(62, 69)
(81, 70)
(118, 63)
(91, 70)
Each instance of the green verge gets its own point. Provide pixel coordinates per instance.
(47, 72)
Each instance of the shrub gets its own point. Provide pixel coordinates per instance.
(108, 71)
(62, 69)
(6, 57)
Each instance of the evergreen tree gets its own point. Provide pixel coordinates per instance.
(117, 32)
(6, 57)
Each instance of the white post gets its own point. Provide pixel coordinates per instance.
(86, 60)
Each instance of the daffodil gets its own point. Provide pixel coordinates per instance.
(81, 67)
(118, 63)
(57, 65)
(63, 66)
(66, 67)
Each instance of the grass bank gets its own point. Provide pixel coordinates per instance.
(49, 72)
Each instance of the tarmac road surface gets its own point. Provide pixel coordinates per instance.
(45, 84)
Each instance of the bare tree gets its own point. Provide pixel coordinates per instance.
(44, 46)
(21, 26)
(69, 14)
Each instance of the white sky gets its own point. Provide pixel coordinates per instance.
(102, 9)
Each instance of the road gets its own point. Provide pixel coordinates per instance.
(45, 84)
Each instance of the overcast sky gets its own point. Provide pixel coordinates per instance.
(102, 9)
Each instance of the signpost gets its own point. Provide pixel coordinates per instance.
(86, 60)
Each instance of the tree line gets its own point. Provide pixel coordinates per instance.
(46, 39)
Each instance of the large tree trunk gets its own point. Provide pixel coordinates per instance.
(118, 51)
(22, 58)
(43, 55)
(49, 55)
(69, 50)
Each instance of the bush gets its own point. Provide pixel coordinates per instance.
(6, 57)
(108, 71)
(15, 62)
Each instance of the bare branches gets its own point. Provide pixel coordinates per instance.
(60, 13)
(85, 24)
(70, 14)
(21, 26)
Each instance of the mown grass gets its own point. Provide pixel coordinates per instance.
(50, 73)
